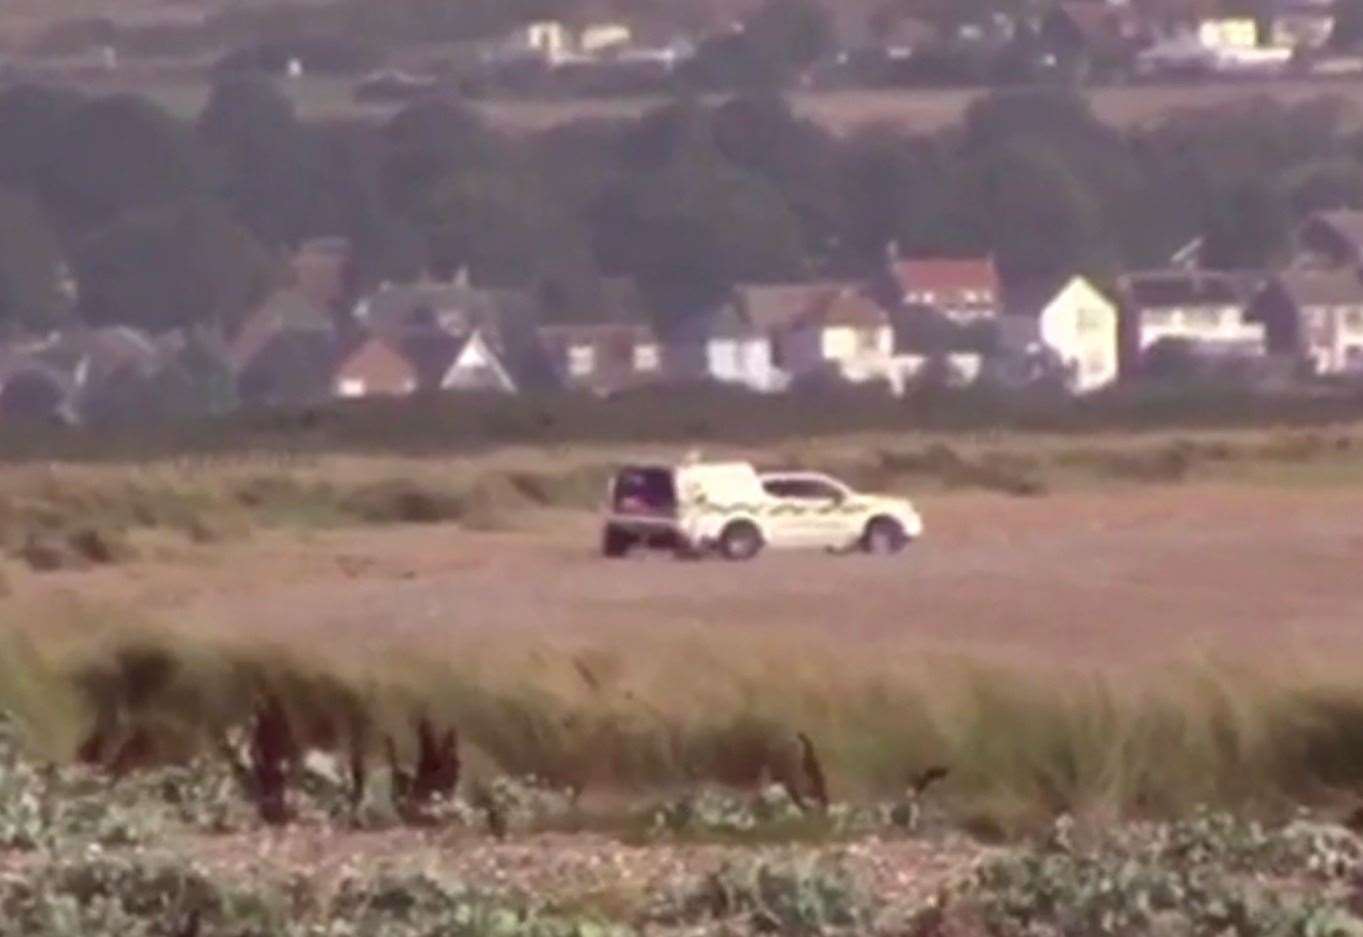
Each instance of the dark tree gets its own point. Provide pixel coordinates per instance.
(686, 251)
(270, 165)
(171, 267)
(31, 116)
(1249, 226)
(428, 142)
(31, 268)
(120, 154)
(388, 246)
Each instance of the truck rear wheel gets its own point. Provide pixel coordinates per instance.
(741, 540)
(616, 543)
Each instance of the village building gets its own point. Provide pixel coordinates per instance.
(1070, 325)
(1206, 311)
(961, 289)
(1315, 317)
(603, 358)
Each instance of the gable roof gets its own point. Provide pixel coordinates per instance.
(432, 352)
(846, 306)
(1158, 289)
(776, 307)
(287, 310)
(1103, 26)
(946, 275)
(1345, 223)
(1321, 287)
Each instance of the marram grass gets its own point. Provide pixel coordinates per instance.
(628, 717)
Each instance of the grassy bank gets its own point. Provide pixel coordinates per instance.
(655, 714)
(61, 513)
(466, 425)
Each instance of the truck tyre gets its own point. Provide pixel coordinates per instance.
(616, 543)
(884, 536)
(741, 540)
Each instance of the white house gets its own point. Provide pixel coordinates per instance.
(722, 346)
(820, 328)
(1203, 308)
(1075, 324)
(1315, 316)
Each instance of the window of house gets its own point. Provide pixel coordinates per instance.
(581, 360)
(1353, 319)
(868, 339)
(1089, 319)
(646, 357)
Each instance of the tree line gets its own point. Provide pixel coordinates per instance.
(163, 223)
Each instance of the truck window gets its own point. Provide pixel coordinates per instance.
(645, 490)
(804, 489)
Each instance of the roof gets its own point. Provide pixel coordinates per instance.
(775, 307)
(1347, 223)
(596, 332)
(454, 306)
(946, 275)
(1165, 288)
(846, 306)
(1321, 287)
(284, 311)
(432, 352)
(1103, 24)
(1029, 299)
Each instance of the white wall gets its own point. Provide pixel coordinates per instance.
(1080, 325)
(745, 361)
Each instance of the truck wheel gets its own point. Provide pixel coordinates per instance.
(884, 537)
(615, 542)
(741, 540)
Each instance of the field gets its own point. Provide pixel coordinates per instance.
(1116, 628)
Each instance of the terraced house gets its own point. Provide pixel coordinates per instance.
(1315, 316)
(1206, 310)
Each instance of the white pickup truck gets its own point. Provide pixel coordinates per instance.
(734, 510)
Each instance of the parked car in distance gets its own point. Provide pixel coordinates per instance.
(732, 509)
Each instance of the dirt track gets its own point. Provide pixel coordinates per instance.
(1129, 575)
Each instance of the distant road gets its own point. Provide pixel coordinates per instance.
(841, 111)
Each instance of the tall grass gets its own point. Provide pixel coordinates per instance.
(654, 713)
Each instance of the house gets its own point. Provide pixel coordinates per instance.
(291, 368)
(323, 270)
(1206, 310)
(1072, 325)
(287, 310)
(1086, 35)
(32, 392)
(1314, 316)
(1229, 32)
(723, 346)
(603, 357)
(446, 362)
(545, 40)
(599, 38)
(845, 332)
(373, 367)
(1301, 25)
(820, 328)
(925, 339)
(961, 289)
(1330, 239)
(453, 306)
